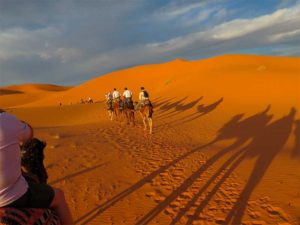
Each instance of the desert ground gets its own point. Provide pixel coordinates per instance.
(225, 147)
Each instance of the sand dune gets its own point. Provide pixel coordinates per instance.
(225, 148)
(16, 95)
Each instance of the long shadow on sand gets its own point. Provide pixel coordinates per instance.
(178, 107)
(254, 136)
(77, 173)
(296, 149)
(201, 111)
(266, 142)
(101, 208)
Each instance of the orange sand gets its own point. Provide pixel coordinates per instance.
(225, 148)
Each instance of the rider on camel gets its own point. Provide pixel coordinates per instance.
(117, 98)
(109, 100)
(144, 98)
(127, 94)
(116, 95)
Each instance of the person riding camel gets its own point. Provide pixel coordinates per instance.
(15, 190)
(144, 98)
(127, 94)
(117, 98)
(116, 95)
(109, 100)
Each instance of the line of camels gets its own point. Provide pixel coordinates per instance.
(118, 112)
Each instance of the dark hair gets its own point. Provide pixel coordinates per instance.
(115, 89)
(142, 88)
(125, 88)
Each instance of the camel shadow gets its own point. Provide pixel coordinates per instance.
(262, 146)
(296, 149)
(201, 111)
(179, 107)
(255, 136)
(85, 219)
(242, 131)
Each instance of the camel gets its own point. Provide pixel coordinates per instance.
(117, 109)
(129, 112)
(110, 109)
(146, 111)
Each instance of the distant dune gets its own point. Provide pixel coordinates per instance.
(16, 95)
(29, 88)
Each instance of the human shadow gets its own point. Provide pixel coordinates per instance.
(242, 131)
(254, 132)
(264, 147)
(77, 174)
(296, 149)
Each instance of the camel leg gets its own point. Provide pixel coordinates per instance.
(132, 118)
(111, 115)
(144, 121)
(150, 125)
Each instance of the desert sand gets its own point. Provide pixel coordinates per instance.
(225, 147)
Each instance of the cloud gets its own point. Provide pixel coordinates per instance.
(241, 27)
(71, 42)
(175, 10)
(269, 29)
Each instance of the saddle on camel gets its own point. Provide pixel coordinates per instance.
(25, 198)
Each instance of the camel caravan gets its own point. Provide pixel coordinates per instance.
(122, 107)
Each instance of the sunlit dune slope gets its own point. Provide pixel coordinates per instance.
(236, 78)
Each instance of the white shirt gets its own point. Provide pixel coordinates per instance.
(127, 94)
(116, 95)
(12, 183)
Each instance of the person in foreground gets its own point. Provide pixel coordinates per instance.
(15, 191)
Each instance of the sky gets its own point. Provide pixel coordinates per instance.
(68, 42)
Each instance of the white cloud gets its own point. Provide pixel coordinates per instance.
(278, 26)
(285, 36)
(241, 27)
(174, 10)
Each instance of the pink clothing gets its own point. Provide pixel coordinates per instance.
(12, 183)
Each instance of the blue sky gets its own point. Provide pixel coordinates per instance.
(68, 42)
